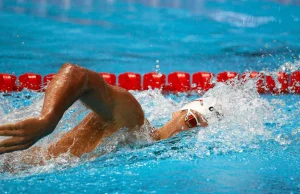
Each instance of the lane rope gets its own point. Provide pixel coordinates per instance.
(281, 83)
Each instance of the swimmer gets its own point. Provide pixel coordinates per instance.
(112, 108)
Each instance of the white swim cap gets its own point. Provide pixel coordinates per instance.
(206, 106)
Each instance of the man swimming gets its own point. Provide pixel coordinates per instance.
(112, 108)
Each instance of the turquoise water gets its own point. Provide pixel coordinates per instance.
(228, 157)
(255, 149)
(118, 36)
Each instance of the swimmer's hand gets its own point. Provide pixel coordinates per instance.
(24, 134)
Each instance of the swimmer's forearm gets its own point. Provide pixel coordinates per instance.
(174, 126)
(170, 129)
(69, 84)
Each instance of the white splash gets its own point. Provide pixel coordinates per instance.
(290, 67)
(17, 162)
(245, 113)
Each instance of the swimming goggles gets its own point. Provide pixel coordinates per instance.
(191, 119)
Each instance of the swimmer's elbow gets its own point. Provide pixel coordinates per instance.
(77, 75)
(71, 66)
(74, 71)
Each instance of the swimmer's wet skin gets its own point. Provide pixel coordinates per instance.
(74, 83)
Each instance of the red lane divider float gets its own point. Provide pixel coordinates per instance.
(177, 81)
(202, 81)
(267, 84)
(295, 82)
(282, 82)
(30, 81)
(7, 83)
(130, 81)
(154, 80)
(226, 76)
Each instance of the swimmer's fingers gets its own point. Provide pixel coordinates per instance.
(16, 147)
(7, 127)
(13, 141)
(11, 132)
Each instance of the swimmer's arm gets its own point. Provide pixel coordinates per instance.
(175, 126)
(70, 84)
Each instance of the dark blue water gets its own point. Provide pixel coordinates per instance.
(253, 151)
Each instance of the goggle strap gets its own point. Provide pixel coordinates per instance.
(187, 119)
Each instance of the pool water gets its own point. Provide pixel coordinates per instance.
(254, 149)
(118, 36)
